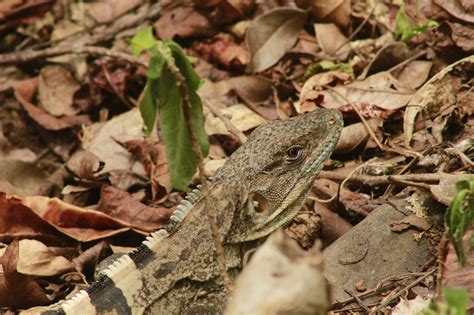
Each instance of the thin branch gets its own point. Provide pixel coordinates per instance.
(364, 122)
(387, 179)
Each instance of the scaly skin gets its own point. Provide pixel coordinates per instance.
(259, 189)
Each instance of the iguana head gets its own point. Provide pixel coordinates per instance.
(277, 166)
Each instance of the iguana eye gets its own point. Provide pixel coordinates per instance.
(294, 153)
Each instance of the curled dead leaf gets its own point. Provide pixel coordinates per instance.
(271, 35)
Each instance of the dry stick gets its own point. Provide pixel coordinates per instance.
(364, 122)
(102, 35)
(408, 287)
(228, 124)
(211, 216)
(387, 179)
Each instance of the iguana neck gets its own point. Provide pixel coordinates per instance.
(136, 283)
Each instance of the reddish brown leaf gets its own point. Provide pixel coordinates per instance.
(223, 50)
(121, 205)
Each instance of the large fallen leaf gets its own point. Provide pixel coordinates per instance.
(438, 90)
(271, 35)
(353, 135)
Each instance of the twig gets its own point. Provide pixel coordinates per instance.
(211, 216)
(103, 34)
(364, 122)
(358, 300)
(408, 287)
(386, 179)
(357, 30)
(228, 124)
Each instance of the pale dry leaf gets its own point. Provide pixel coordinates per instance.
(415, 73)
(455, 9)
(271, 35)
(240, 116)
(100, 138)
(378, 96)
(330, 38)
(56, 91)
(35, 258)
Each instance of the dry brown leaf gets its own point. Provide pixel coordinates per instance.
(332, 42)
(24, 92)
(78, 223)
(271, 35)
(434, 93)
(153, 156)
(121, 205)
(455, 9)
(19, 177)
(100, 139)
(56, 91)
(107, 11)
(330, 11)
(18, 221)
(223, 51)
(84, 164)
(415, 73)
(37, 259)
(184, 22)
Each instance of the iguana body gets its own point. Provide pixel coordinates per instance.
(259, 189)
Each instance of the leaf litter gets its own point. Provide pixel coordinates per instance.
(400, 74)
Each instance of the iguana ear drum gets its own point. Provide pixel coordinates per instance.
(260, 203)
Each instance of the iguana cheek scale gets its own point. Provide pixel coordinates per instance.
(259, 189)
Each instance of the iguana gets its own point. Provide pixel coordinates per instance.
(260, 188)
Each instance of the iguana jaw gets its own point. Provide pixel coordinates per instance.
(297, 195)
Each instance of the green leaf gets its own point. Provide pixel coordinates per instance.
(155, 66)
(181, 159)
(457, 300)
(148, 106)
(327, 65)
(193, 82)
(405, 30)
(460, 216)
(142, 40)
